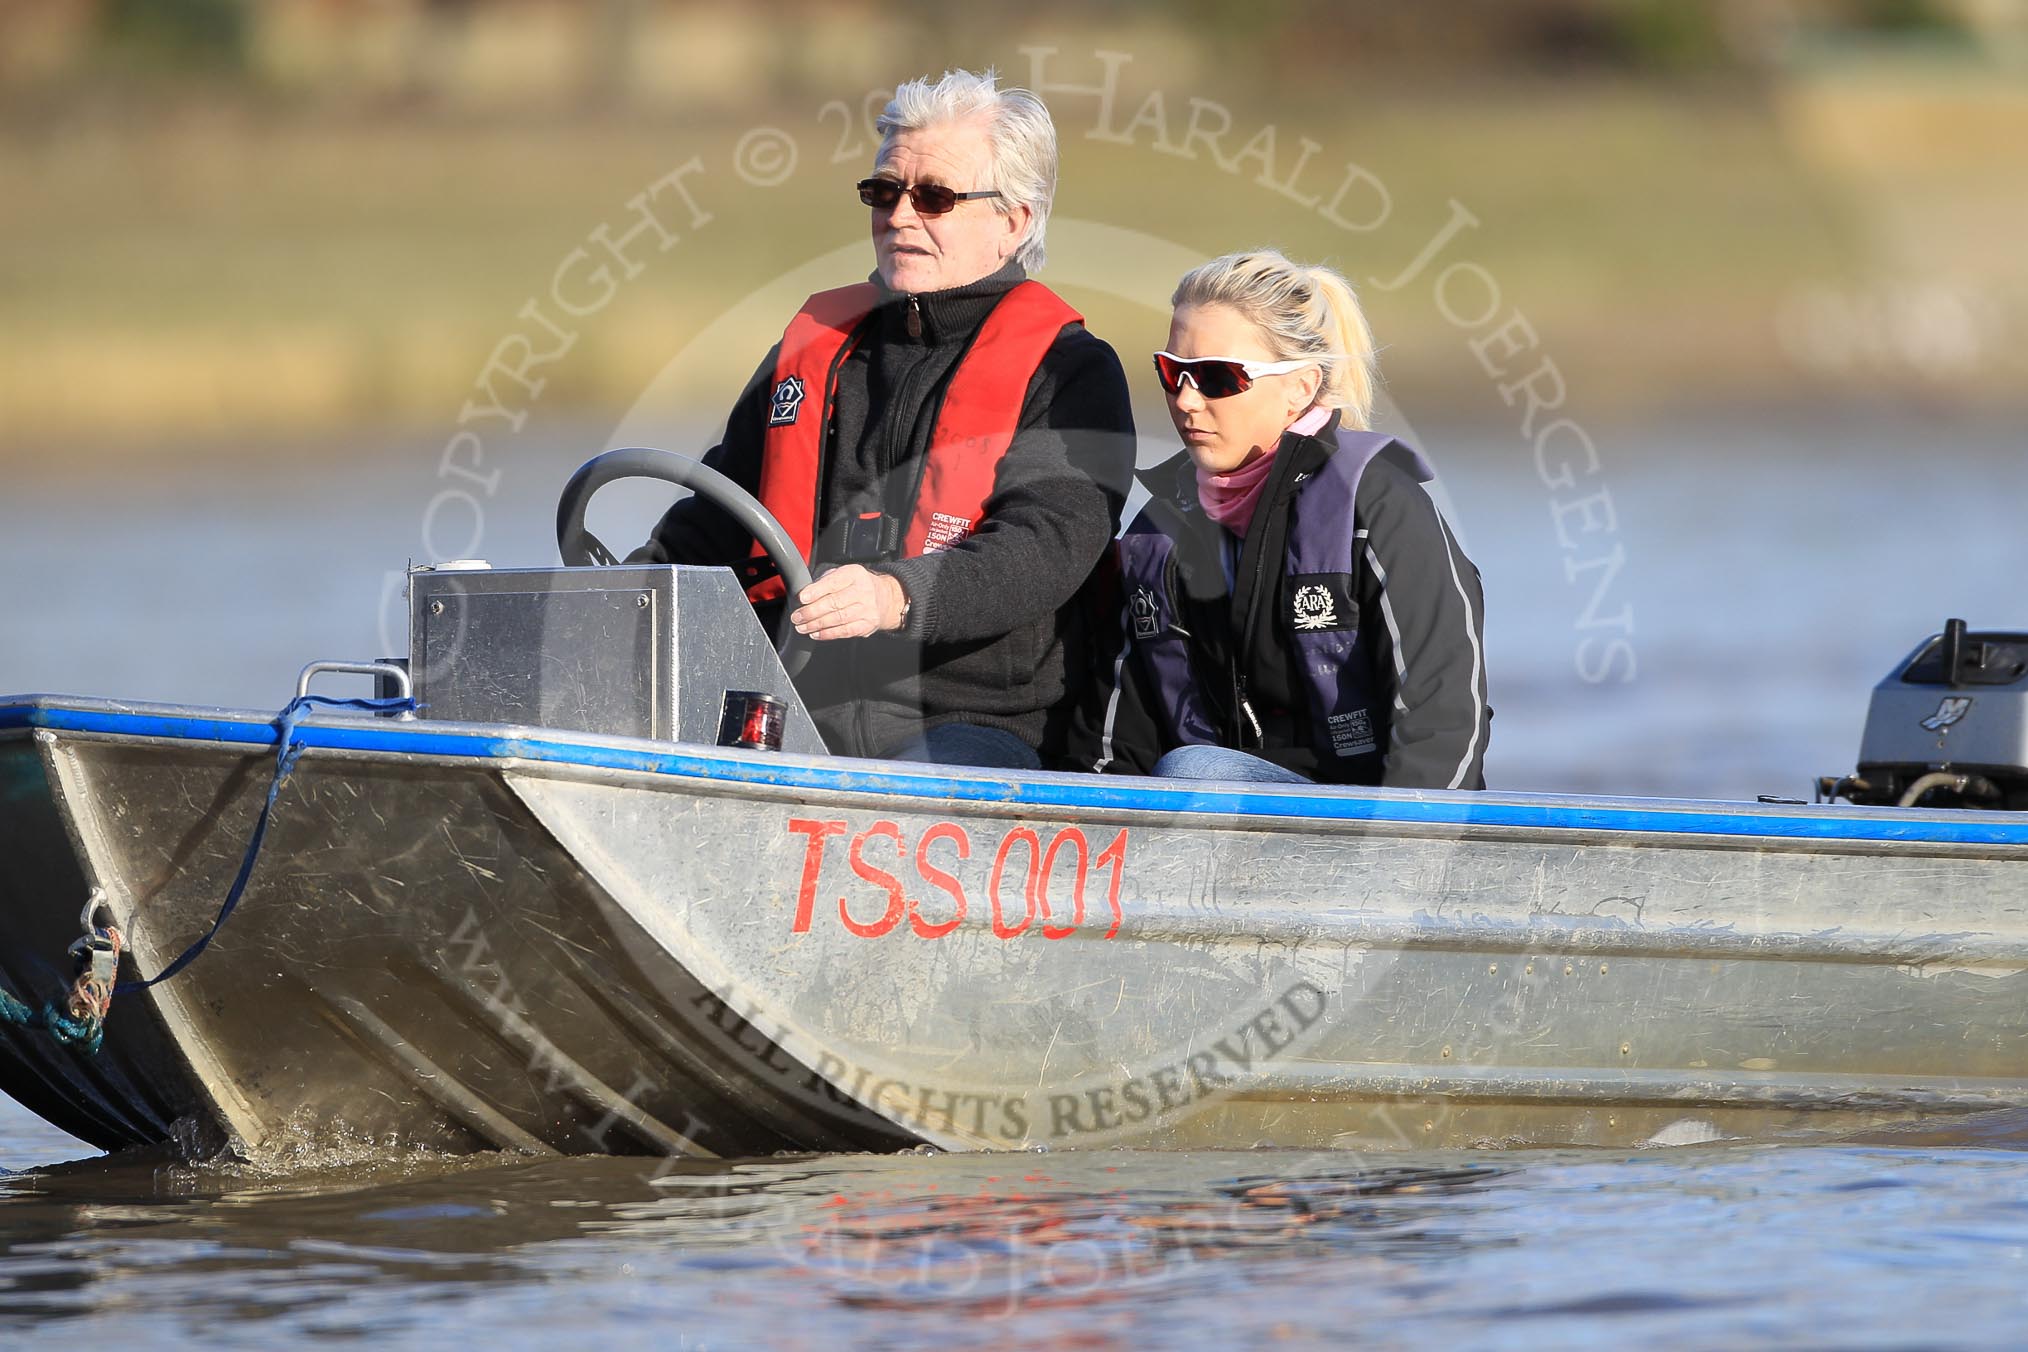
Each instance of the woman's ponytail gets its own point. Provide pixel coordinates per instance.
(1348, 381)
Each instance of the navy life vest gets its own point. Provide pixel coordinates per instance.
(1319, 607)
(976, 422)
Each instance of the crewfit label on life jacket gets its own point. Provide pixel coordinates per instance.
(1352, 733)
(945, 530)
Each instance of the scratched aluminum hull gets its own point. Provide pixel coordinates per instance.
(415, 965)
(466, 938)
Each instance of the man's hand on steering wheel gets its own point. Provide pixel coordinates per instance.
(850, 602)
(579, 547)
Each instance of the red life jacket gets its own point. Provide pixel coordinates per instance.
(981, 409)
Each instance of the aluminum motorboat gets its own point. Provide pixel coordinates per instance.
(526, 900)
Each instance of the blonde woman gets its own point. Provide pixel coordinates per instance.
(1295, 607)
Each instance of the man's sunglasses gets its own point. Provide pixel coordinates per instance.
(1222, 377)
(930, 199)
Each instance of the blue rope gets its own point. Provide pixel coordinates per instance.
(86, 1034)
(287, 751)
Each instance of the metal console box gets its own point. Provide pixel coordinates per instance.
(632, 651)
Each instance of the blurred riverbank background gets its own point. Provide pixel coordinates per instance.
(249, 227)
(1713, 316)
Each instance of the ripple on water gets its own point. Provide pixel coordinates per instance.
(1864, 1243)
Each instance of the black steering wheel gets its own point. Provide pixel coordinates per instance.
(579, 547)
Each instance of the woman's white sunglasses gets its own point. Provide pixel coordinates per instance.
(1220, 377)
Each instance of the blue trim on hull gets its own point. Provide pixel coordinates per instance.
(1545, 812)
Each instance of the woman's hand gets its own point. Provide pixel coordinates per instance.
(850, 602)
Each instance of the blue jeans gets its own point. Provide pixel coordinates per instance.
(1222, 762)
(969, 744)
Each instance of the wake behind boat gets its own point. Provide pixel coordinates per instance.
(545, 911)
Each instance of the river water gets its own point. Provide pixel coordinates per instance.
(1759, 577)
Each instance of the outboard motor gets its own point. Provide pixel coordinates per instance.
(1947, 728)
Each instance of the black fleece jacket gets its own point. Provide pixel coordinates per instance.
(1421, 620)
(991, 631)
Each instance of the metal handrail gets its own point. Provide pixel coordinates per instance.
(394, 671)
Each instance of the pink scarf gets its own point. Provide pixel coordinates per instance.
(1229, 499)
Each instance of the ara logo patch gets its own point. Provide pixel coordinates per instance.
(1322, 601)
(788, 399)
(1141, 606)
(1319, 601)
(1315, 607)
(1953, 708)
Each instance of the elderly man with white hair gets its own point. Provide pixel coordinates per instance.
(946, 444)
